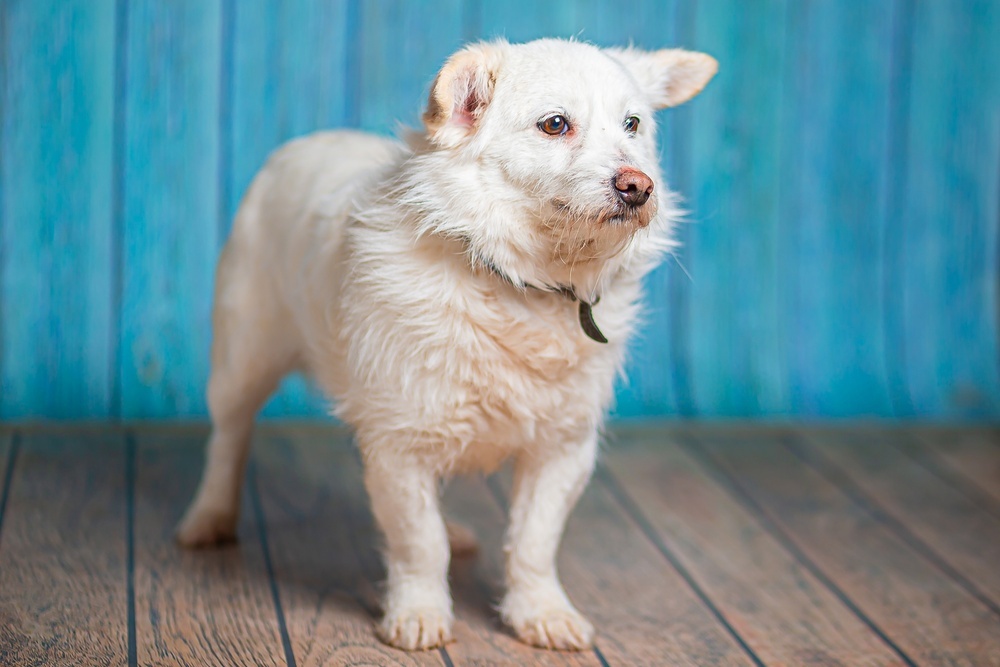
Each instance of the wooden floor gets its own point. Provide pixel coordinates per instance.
(692, 546)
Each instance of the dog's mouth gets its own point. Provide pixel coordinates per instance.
(612, 213)
(583, 235)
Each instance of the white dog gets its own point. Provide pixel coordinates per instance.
(445, 295)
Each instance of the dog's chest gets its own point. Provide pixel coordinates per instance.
(469, 367)
(527, 370)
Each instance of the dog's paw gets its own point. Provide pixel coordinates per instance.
(547, 621)
(416, 629)
(562, 629)
(203, 527)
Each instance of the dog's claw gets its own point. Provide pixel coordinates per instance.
(564, 630)
(419, 629)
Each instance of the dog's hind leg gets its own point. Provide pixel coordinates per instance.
(461, 540)
(251, 352)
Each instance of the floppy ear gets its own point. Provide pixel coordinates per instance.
(669, 76)
(461, 92)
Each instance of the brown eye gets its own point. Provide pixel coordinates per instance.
(632, 124)
(554, 125)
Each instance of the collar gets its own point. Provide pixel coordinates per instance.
(586, 310)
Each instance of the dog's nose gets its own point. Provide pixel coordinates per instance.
(633, 186)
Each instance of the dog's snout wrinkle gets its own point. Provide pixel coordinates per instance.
(633, 186)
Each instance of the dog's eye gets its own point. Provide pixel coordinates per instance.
(554, 125)
(632, 124)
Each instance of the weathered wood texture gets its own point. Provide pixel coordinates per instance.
(940, 520)
(477, 586)
(920, 610)
(755, 582)
(967, 458)
(841, 174)
(692, 546)
(323, 548)
(58, 237)
(170, 202)
(607, 563)
(63, 553)
(195, 608)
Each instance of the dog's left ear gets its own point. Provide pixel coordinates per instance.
(461, 92)
(670, 76)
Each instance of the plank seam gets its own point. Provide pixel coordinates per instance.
(365, 566)
(224, 166)
(493, 484)
(367, 569)
(472, 19)
(958, 480)
(352, 63)
(258, 512)
(635, 513)
(728, 482)
(893, 190)
(600, 656)
(118, 208)
(836, 475)
(789, 203)
(351, 517)
(786, 292)
(4, 8)
(678, 295)
(15, 447)
(133, 651)
(996, 263)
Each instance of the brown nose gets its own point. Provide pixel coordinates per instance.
(633, 186)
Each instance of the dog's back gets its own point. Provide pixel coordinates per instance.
(308, 181)
(298, 202)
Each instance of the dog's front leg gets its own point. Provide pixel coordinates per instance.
(546, 487)
(404, 496)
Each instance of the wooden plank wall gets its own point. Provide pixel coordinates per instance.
(842, 175)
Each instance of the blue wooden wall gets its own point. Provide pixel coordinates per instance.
(842, 172)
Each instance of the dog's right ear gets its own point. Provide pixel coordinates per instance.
(461, 92)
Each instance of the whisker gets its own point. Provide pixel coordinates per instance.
(683, 268)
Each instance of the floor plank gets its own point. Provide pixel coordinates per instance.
(323, 548)
(63, 579)
(873, 464)
(477, 587)
(971, 457)
(823, 550)
(644, 610)
(785, 613)
(927, 615)
(211, 606)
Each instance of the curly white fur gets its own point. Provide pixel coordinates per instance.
(413, 283)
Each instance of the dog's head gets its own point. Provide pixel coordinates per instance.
(547, 152)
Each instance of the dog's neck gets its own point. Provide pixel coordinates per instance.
(586, 309)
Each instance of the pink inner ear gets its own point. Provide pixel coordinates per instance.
(467, 100)
(465, 111)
